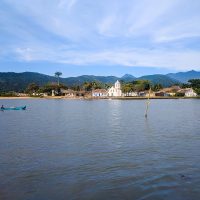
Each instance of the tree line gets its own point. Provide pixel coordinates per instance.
(127, 87)
(194, 84)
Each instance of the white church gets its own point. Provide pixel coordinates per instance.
(115, 91)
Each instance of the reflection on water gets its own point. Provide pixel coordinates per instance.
(106, 149)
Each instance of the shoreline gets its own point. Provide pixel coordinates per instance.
(97, 98)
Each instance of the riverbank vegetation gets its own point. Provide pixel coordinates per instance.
(57, 87)
(194, 84)
(8, 94)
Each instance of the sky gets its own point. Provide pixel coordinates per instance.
(99, 37)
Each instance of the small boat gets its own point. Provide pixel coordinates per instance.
(15, 108)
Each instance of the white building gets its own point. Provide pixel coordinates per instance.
(99, 93)
(115, 91)
(130, 94)
(68, 92)
(188, 92)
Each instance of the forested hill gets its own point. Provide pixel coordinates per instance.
(164, 80)
(185, 76)
(11, 81)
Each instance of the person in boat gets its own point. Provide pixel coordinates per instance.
(2, 107)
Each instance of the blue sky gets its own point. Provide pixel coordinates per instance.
(100, 37)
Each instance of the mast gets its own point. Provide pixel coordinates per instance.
(147, 103)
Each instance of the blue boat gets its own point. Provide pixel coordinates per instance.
(14, 108)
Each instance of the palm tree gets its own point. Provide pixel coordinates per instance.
(58, 74)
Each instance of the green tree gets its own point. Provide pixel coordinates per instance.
(107, 85)
(52, 86)
(127, 87)
(141, 85)
(157, 87)
(185, 85)
(89, 86)
(97, 85)
(32, 87)
(76, 87)
(195, 84)
(58, 74)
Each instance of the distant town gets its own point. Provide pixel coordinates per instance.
(119, 90)
(99, 90)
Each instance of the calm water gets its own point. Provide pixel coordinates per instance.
(106, 149)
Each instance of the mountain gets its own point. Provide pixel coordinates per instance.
(81, 79)
(11, 81)
(160, 79)
(185, 76)
(128, 78)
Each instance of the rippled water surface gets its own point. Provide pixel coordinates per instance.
(100, 149)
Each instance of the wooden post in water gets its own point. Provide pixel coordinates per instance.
(147, 103)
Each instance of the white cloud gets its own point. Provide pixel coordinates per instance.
(108, 32)
(179, 60)
(178, 30)
(147, 13)
(66, 4)
(106, 24)
(26, 54)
